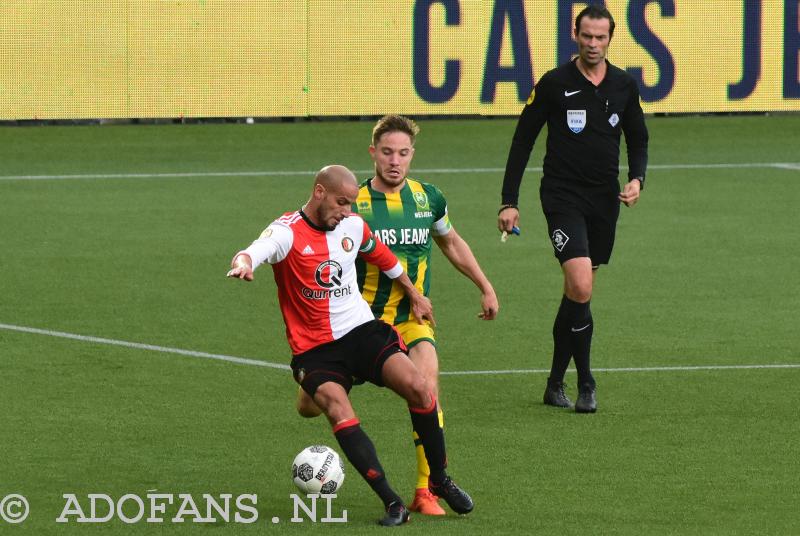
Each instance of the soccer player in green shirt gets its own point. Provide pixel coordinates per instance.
(408, 216)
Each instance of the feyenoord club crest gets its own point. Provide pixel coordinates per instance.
(347, 244)
(576, 120)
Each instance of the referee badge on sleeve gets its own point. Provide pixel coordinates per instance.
(613, 120)
(576, 120)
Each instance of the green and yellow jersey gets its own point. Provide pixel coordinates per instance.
(406, 221)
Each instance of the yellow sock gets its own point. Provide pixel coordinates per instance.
(423, 471)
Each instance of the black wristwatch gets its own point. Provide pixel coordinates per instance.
(641, 181)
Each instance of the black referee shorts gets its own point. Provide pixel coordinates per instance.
(355, 358)
(581, 223)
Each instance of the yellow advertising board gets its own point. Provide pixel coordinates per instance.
(81, 59)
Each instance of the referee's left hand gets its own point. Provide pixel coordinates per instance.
(507, 219)
(630, 193)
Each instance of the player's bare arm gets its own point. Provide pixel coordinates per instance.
(630, 193)
(420, 305)
(461, 257)
(241, 267)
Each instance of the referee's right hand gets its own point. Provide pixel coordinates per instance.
(507, 218)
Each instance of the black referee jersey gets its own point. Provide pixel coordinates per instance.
(584, 123)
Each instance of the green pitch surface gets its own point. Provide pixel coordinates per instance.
(123, 234)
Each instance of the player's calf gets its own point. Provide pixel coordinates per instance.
(306, 406)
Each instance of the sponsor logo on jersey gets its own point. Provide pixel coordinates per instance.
(414, 236)
(560, 239)
(576, 120)
(364, 207)
(347, 244)
(328, 276)
(325, 294)
(613, 120)
(424, 214)
(421, 199)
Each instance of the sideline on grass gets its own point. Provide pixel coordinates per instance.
(260, 363)
(790, 166)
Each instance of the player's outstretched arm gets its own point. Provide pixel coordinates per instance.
(241, 267)
(460, 255)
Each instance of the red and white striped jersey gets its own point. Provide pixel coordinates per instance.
(316, 275)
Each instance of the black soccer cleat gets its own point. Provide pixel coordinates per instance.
(396, 514)
(554, 395)
(456, 498)
(587, 401)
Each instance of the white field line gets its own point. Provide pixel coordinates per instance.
(625, 369)
(790, 166)
(259, 363)
(140, 346)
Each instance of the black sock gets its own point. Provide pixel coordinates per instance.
(580, 336)
(426, 424)
(562, 351)
(360, 452)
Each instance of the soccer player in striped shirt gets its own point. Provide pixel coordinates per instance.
(409, 216)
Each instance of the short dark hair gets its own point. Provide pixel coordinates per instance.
(394, 123)
(595, 11)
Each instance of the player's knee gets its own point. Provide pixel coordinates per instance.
(420, 395)
(581, 294)
(579, 291)
(333, 401)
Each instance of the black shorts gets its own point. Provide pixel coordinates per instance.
(581, 224)
(355, 358)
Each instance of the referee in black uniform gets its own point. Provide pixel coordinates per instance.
(586, 104)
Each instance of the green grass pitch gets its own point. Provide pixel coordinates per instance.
(136, 248)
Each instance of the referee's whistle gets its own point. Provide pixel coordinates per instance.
(504, 236)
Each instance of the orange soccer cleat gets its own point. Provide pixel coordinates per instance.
(426, 503)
